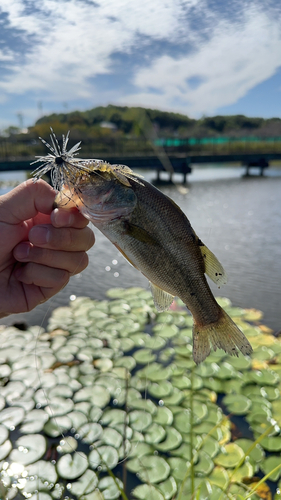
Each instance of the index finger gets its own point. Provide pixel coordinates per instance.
(26, 200)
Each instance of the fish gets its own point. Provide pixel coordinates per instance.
(155, 237)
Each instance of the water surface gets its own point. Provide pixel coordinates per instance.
(238, 218)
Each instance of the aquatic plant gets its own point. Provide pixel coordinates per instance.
(108, 404)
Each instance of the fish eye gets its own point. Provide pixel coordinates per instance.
(58, 160)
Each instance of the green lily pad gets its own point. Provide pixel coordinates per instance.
(154, 434)
(11, 417)
(77, 418)
(246, 470)
(85, 484)
(140, 449)
(5, 449)
(204, 465)
(34, 421)
(46, 476)
(230, 457)
(4, 434)
(109, 487)
(114, 417)
(175, 398)
(179, 467)
(72, 466)
(210, 446)
(103, 456)
(145, 491)
(219, 477)
(265, 377)
(269, 464)
(237, 404)
(140, 420)
(144, 356)
(172, 440)
(67, 445)
(160, 389)
(151, 469)
(59, 406)
(97, 395)
(166, 331)
(29, 449)
(164, 416)
(90, 432)
(168, 488)
(143, 404)
(57, 426)
(112, 437)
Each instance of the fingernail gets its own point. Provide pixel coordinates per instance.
(62, 217)
(22, 251)
(39, 235)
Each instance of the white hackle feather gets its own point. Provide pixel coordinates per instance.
(63, 165)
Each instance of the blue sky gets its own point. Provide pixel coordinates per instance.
(197, 57)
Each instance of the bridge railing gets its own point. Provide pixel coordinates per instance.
(20, 146)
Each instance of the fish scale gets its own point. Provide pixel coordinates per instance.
(155, 236)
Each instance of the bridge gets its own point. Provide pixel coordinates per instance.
(172, 164)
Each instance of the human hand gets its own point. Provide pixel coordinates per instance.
(40, 247)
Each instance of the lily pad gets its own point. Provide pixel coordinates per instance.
(97, 395)
(57, 426)
(237, 404)
(11, 417)
(144, 356)
(90, 432)
(230, 457)
(34, 421)
(85, 484)
(29, 449)
(145, 491)
(67, 445)
(172, 440)
(103, 456)
(46, 476)
(164, 416)
(59, 406)
(160, 389)
(4, 434)
(112, 437)
(154, 434)
(269, 464)
(140, 420)
(151, 469)
(72, 466)
(5, 449)
(168, 488)
(110, 487)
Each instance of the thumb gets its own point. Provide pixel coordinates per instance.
(26, 200)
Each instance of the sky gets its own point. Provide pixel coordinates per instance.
(196, 57)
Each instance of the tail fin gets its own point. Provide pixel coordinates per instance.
(224, 334)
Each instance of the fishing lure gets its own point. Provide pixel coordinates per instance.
(65, 169)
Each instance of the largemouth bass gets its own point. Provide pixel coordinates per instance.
(155, 236)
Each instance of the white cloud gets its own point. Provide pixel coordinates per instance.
(236, 59)
(71, 42)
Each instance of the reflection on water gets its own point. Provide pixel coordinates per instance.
(238, 218)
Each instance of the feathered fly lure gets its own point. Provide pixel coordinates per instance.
(65, 169)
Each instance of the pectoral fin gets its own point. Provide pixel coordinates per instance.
(213, 267)
(162, 300)
(139, 233)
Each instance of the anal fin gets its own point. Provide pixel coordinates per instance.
(162, 299)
